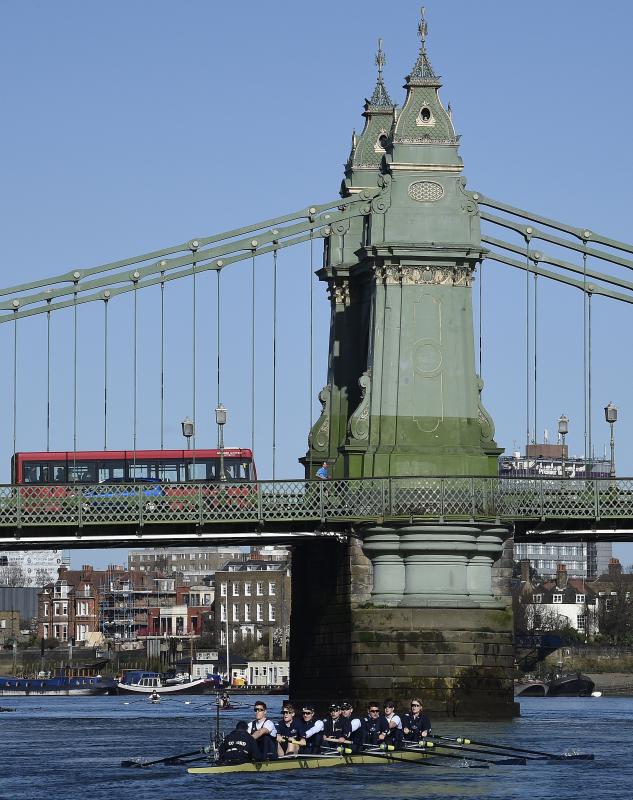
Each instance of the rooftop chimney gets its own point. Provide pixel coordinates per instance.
(615, 568)
(561, 576)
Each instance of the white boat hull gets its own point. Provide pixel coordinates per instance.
(193, 687)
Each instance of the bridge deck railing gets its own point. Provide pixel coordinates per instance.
(354, 500)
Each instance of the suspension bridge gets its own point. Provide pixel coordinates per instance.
(409, 447)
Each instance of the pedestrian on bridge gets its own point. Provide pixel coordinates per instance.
(322, 471)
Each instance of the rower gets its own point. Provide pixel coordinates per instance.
(335, 727)
(372, 725)
(313, 731)
(154, 697)
(416, 723)
(224, 701)
(393, 734)
(238, 747)
(355, 735)
(290, 732)
(264, 731)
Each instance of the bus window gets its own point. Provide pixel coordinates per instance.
(31, 473)
(141, 470)
(236, 470)
(58, 473)
(82, 472)
(53, 473)
(169, 471)
(201, 471)
(111, 470)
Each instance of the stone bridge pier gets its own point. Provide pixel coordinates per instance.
(398, 612)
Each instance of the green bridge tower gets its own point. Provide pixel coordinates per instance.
(407, 609)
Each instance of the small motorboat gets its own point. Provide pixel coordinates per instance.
(570, 684)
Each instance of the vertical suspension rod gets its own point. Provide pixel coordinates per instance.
(311, 388)
(253, 355)
(535, 356)
(218, 365)
(589, 398)
(75, 383)
(274, 360)
(162, 363)
(586, 406)
(135, 375)
(15, 395)
(48, 378)
(105, 370)
(194, 348)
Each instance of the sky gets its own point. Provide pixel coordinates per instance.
(131, 126)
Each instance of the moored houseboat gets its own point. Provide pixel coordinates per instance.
(57, 685)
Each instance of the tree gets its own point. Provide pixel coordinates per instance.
(615, 616)
(12, 575)
(42, 577)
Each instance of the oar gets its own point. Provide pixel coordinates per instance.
(499, 761)
(178, 762)
(392, 757)
(556, 756)
(135, 763)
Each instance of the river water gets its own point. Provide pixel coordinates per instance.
(62, 748)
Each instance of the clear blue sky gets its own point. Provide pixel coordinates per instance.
(127, 126)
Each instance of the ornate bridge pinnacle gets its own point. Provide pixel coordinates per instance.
(380, 60)
(423, 71)
(380, 98)
(423, 28)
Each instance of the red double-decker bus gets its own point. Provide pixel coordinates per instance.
(113, 466)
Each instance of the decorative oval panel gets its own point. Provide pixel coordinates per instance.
(426, 191)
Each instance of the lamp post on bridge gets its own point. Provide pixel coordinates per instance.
(220, 419)
(611, 416)
(188, 430)
(563, 430)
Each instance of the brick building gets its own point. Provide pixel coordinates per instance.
(68, 608)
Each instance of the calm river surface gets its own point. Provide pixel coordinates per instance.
(64, 747)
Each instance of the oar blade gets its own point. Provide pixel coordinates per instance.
(577, 757)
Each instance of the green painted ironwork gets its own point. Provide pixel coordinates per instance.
(259, 239)
(316, 503)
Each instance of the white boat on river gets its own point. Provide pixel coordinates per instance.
(144, 683)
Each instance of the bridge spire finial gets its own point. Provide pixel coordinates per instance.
(380, 59)
(380, 98)
(423, 28)
(423, 71)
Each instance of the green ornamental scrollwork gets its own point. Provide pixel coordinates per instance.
(485, 420)
(381, 203)
(358, 425)
(468, 204)
(319, 438)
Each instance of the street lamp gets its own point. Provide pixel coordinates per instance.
(220, 419)
(563, 430)
(611, 416)
(188, 430)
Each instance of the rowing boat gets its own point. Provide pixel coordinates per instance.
(311, 762)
